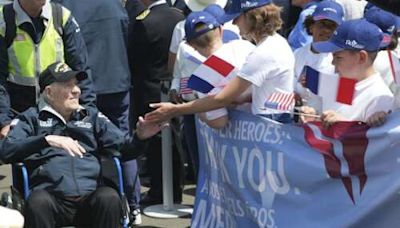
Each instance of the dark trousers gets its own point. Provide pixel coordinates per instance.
(154, 164)
(189, 128)
(101, 208)
(116, 107)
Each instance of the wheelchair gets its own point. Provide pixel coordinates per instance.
(20, 185)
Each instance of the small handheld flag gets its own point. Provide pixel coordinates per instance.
(280, 101)
(340, 89)
(214, 72)
(184, 89)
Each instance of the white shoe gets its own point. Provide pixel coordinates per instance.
(137, 217)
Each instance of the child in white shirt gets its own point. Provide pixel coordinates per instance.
(387, 63)
(355, 45)
(321, 25)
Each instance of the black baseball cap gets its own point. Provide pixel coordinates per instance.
(59, 72)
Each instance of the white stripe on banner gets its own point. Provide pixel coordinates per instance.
(337, 149)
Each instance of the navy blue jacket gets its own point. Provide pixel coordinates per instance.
(53, 168)
(23, 97)
(104, 25)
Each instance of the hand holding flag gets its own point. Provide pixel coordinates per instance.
(286, 102)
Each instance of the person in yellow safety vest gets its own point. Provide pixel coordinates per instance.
(33, 35)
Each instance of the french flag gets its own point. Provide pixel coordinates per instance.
(214, 72)
(326, 86)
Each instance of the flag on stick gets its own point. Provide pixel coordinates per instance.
(280, 101)
(340, 89)
(214, 72)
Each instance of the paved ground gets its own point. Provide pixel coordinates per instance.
(188, 199)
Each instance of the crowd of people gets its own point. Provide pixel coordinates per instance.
(80, 78)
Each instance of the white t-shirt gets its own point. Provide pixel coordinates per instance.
(322, 62)
(382, 65)
(187, 60)
(177, 36)
(270, 68)
(352, 9)
(234, 52)
(371, 95)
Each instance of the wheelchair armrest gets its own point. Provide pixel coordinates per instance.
(20, 167)
(19, 164)
(107, 152)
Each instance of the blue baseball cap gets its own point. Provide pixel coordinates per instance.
(356, 35)
(196, 18)
(329, 10)
(216, 11)
(240, 6)
(383, 19)
(368, 6)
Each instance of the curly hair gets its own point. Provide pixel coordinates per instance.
(263, 21)
(308, 22)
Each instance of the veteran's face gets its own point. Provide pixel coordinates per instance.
(64, 96)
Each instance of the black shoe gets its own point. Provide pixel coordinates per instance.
(148, 199)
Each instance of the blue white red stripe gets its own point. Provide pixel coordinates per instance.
(214, 72)
(330, 87)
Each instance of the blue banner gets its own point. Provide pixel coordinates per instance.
(259, 173)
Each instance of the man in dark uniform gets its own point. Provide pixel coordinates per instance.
(134, 8)
(149, 40)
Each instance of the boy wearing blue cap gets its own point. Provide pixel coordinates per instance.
(321, 25)
(204, 34)
(386, 62)
(355, 45)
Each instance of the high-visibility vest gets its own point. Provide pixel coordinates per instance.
(26, 60)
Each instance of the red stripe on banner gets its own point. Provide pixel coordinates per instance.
(345, 90)
(219, 65)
